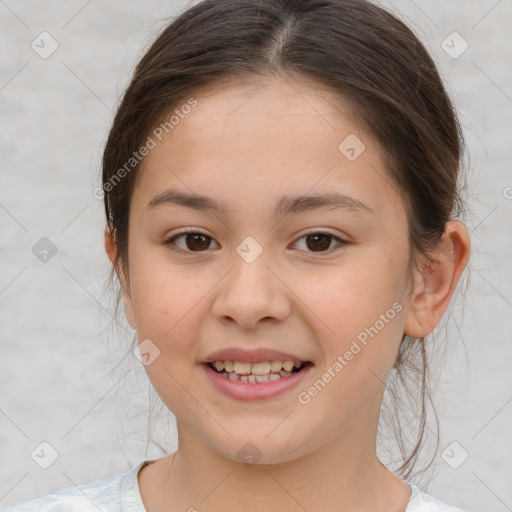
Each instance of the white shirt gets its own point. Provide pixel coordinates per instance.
(121, 493)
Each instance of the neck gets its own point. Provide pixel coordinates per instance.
(342, 475)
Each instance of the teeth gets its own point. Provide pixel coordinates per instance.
(260, 368)
(256, 372)
(253, 379)
(288, 365)
(242, 368)
(275, 366)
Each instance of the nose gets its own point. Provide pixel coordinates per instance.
(251, 293)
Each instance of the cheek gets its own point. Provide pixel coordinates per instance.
(169, 302)
(358, 316)
(354, 293)
(168, 308)
(163, 295)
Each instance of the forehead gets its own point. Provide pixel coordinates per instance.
(281, 99)
(248, 113)
(272, 134)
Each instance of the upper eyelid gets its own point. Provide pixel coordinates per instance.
(311, 232)
(316, 231)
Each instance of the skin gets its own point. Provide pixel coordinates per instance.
(247, 145)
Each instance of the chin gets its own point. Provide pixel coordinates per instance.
(252, 450)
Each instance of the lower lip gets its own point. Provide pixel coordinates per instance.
(257, 391)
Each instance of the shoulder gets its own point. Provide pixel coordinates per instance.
(114, 493)
(422, 502)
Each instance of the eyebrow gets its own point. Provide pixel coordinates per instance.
(284, 205)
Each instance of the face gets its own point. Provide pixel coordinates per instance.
(325, 285)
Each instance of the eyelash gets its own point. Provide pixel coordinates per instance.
(170, 242)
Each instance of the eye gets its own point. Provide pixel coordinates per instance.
(194, 241)
(320, 242)
(199, 242)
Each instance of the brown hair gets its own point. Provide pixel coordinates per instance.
(359, 51)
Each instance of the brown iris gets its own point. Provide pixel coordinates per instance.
(199, 241)
(322, 241)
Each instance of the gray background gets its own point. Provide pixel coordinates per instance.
(65, 376)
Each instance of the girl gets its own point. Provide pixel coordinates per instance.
(280, 187)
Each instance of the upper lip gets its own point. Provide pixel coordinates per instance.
(259, 355)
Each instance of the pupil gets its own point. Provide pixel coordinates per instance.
(319, 246)
(197, 236)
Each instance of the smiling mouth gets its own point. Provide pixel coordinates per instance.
(255, 373)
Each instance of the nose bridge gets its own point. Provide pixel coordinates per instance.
(250, 291)
(250, 275)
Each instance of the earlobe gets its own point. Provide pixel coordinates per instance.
(111, 249)
(439, 277)
(128, 309)
(110, 246)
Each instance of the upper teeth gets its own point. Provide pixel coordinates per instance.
(243, 368)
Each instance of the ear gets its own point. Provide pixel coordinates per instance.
(111, 249)
(436, 281)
